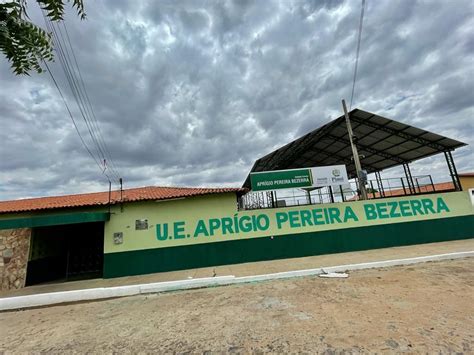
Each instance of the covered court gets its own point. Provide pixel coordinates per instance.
(382, 144)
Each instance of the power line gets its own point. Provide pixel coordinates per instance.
(72, 81)
(72, 118)
(73, 86)
(94, 118)
(357, 52)
(76, 91)
(79, 93)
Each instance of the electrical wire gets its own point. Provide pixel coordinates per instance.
(81, 97)
(94, 117)
(68, 72)
(357, 52)
(76, 91)
(72, 117)
(73, 86)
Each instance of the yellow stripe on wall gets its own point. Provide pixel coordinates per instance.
(215, 218)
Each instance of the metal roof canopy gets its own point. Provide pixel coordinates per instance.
(382, 144)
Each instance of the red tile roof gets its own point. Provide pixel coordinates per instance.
(102, 198)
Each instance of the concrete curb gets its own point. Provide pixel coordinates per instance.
(352, 267)
(47, 299)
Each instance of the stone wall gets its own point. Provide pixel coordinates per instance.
(14, 252)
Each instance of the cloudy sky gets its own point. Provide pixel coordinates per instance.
(190, 93)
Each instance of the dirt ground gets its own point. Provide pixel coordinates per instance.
(421, 308)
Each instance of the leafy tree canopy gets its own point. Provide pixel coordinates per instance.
(25, 44)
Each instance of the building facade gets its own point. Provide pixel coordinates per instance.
(162, 229)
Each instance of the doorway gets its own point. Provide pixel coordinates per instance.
(66, 253)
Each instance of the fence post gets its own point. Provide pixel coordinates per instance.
(418, 184)
(372, 187)
(380, 184)
(330, 194)
(431, 179)
(403, 185)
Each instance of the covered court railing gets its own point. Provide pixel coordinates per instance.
(376, 188)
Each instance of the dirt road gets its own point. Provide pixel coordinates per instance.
(422, 308)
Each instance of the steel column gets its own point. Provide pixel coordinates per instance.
(452, 171)
(379, 184)
(411, 178)
(308, 195)
(372, 187)
(342, 193)
(418, 184)
(273, 199)
(331, 194)
(403, 185)
(411, 185)
(432, 184)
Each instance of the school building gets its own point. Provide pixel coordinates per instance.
(156, 229)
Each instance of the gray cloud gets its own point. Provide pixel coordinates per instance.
(192, 92)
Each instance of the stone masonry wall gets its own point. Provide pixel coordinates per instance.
(14, 252)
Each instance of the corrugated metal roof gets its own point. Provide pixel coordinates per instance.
(383, 143)
(102, 198)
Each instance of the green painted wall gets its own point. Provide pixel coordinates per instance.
(165, 211)
(209, 230)
(200, 220)
(201, 231)
(292, 245)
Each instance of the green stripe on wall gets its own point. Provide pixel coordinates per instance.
(287, 246)
(54, 220)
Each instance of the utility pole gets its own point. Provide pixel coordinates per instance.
(355, 154)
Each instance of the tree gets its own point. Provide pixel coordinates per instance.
(25, 44)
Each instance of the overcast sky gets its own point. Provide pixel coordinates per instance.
(191, 93)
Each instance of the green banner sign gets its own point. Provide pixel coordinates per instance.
(283, 179)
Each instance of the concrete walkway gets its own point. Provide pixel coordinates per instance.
(256, 268)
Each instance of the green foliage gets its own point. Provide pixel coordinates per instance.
(24, 44)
